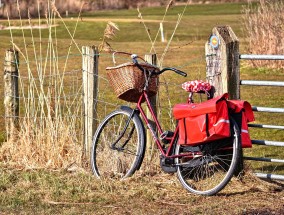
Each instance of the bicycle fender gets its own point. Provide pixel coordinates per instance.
(126, 108)
(130, 110)
(135, 115)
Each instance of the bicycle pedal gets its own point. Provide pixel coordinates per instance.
(168, 165)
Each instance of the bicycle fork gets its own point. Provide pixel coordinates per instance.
(121, 148)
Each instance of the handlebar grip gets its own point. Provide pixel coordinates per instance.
(175, 70)
(179, 72)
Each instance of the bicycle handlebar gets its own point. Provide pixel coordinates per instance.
(175, 70)
(135, 61)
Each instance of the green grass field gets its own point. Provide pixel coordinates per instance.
(59, 191)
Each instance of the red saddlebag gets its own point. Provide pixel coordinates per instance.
(242, 113)
(203, 122)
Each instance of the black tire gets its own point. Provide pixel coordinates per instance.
(107, 162)
(210, 172)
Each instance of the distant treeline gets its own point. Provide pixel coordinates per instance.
(73, 6)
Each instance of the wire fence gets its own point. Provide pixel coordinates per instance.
(51, 112)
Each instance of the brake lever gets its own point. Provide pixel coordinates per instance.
(134, 58)
(135, 61)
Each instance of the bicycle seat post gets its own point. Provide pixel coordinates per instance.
(190, 98)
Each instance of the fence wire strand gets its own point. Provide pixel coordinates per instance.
(75, 75)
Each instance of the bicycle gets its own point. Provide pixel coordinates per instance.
(119, 143)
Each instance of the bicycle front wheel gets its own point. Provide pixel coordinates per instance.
(118, 145)
(210, 166)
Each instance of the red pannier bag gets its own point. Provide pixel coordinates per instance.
(203, 122)
(242, 113)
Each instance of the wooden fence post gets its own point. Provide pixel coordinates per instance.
(223, 68)
(90, 91)
(222, 62)
(11, 93)
(152, 59)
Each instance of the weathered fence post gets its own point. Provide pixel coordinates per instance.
(11, 93)
(152, 59)
(90, 91)
(222, 62)
(223, 68)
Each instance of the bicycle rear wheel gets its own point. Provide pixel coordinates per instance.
(118, 145)
(211, 165)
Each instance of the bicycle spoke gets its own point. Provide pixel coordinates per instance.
(208, 174)
(117, 148)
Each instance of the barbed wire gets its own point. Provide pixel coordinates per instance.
(63, 97)
(50, 117)
(45, 75)
(55, 59)
(76, 71)
(127, 59)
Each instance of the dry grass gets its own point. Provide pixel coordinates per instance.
(65, 192)
(265, 31)
(42, 145)
(109, 34)
(49, 130)
(170, 4)
(150, 191)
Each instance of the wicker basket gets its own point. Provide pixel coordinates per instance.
(128, 81)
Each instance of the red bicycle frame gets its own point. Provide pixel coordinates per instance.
(166, 153)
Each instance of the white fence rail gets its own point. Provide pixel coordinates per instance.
(265, 109)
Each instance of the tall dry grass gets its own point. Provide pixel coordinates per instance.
(265, 31)
(170, 3)
(50, 119)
